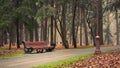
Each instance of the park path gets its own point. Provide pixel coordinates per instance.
(41, 58)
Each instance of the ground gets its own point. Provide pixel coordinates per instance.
(106, 60)
(31, 60)
(5, 50)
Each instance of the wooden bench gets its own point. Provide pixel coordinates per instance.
(38, 46)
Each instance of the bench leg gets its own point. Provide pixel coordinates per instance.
(28, 50)
(49, 50)
(39, 50)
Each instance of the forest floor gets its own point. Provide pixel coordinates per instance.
(5, 50)
(13, 51)
(110, 59)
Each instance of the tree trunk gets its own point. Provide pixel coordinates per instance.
(17, 33)
(45, 30)
(21, 32)
(48, 35)
(63, 25)
(17, 4)
(117, 26)
(98, 28)
(36, 32)
(73, 23)
(92, 32)
(81, 34)
(55, 25)
(41, 31)
(81, 23)
(108, 34)
(27, 35)
(85, 28)
(13, 35)
(0, 39)
(10, 37)
(5, 36)
(100, 21)
(31, 36)
(52, 23)
(1, 36)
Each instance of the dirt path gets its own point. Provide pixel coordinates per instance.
(42, 58)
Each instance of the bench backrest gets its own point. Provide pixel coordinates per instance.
(35, 43)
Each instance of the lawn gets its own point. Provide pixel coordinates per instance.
(6, 53)
(13, 55)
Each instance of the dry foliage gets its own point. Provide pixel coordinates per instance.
(107, 60)
(5, 52)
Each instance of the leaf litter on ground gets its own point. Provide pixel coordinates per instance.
(109, 59)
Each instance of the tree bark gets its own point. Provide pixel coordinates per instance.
(63, 25)
(36, 32)
(52, 22)
(73, 23)
(100, 21)
(45, 30)
(41, 31)
(17, 33)
(21, 32)
(85, 27)
(81, 20)
(117, 26)
(1, 36)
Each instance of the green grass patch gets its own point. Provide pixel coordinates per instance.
(3, 48)
(65, 62)
(13, 55)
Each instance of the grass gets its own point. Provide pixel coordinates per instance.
(3, 48)
(10, 54)
(66, 62)
(13, 55)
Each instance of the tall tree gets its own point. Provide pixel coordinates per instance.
(100, 21)
(22, 15)
(52, 23)
(116, 7)
(98, 27)
(73, 23)
(61, 18)
(91, 20)
(83, 5)
(113, 6)
(16, 21)
(45, 11)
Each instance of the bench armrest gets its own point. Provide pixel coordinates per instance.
(24, 44)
